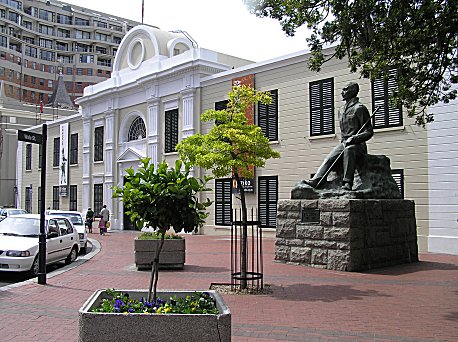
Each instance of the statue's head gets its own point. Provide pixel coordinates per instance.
(350, 91)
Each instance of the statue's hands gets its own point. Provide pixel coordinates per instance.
(349, 141)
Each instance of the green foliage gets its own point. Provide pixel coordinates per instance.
(162, 198)
(417, 38)
(157, 236)
(120, 302)
(232, 144)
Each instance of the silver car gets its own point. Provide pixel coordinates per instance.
(76, 218)
(19, 242)
(5, 212)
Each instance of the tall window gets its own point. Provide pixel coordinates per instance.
(39, 200)
(267, 201)
(388, 115)
(398, 176)
(98, 144)
(28, 199)
(223, 201)
(28, 157)
(74, 149)
(73, 198)
(56, 152)
(55, 198)
(40, 154)
(322, 107)
(171, 130)
(137, 130)
(98, 197)
(268, 117)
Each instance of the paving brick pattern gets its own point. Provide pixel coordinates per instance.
(413, 302)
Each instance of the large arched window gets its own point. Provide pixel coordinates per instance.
(137, 130)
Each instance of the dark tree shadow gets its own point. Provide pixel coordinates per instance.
(419, 266)
(205, 269)
(321, 293)
(452, 316)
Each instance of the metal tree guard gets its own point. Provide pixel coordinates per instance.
(254, 276)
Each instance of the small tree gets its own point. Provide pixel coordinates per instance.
(231, 147)
(163, 198)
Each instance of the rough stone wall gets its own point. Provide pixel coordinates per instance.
(351, 235)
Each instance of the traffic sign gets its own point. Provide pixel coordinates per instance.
(30, 137)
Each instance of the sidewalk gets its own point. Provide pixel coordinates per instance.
(414, 302)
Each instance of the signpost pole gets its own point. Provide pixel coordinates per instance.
(42, 235)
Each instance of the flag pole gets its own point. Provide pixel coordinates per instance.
(143, 10)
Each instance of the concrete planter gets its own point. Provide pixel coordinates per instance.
(172, 254)
(108, 327)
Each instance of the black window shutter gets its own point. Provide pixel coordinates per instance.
(56, 152)
(267, 201)
(387, 115)
(221, 105)
(322, 107)
(268, 117)
(223, 201)
(171, 130)
(398, 176)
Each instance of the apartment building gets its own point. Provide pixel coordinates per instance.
(40, 39)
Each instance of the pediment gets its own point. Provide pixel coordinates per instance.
(130, 154)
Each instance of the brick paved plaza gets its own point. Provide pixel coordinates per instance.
(413, 302)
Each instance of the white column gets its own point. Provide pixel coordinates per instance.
(87, 194)
(153, 130)
(188, 113)
(109, 162)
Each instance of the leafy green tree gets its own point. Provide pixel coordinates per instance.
(418, 38)
(231, 147)
(163, 198)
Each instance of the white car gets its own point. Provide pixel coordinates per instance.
(19, 236)
(5, 212)
(76, 218)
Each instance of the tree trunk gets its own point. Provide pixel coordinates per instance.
(244, 235)
(155, 269)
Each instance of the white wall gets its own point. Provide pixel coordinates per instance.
(443, 179)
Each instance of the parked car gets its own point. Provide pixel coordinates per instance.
(19, 242)
(5, 212)
(76, 218)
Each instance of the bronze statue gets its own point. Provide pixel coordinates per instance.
(356, 129)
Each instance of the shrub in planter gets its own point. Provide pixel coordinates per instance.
(172, 255)
(162, 198)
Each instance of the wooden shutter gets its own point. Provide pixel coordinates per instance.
(56, 152)
(267, 201)
(387, 115)
(223, 201)
(73, 197)
(98, 144)
(74, 148)
(322, 107)
(171, 130)
(28, 156)
(268, 117)
(398, 176)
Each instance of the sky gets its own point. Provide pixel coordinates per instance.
(224, 26)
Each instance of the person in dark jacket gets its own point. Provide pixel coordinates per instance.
(89, 218)
(356, 129)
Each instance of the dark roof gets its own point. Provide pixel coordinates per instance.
(60, 97)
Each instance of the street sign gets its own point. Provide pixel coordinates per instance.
(30, 137)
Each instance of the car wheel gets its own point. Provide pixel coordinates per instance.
(35, 267)
(72, 256)
(84, 249)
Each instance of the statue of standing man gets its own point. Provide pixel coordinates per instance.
(356, 129)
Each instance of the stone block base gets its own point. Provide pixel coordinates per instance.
(173, 254)
(346, 234)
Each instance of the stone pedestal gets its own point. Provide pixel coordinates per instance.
(346, 234)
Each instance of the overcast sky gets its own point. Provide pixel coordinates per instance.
(220, 25)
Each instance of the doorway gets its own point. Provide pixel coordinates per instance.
(128, 224)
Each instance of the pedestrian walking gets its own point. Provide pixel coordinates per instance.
(104, 222)
(89, 219)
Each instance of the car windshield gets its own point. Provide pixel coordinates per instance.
(73, 217)
(20, 226)
(16, 212)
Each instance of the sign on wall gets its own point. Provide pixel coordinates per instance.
(63, 160)
(248, 184)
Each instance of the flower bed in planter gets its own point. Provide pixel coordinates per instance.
(172, 254)
(139, 327)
